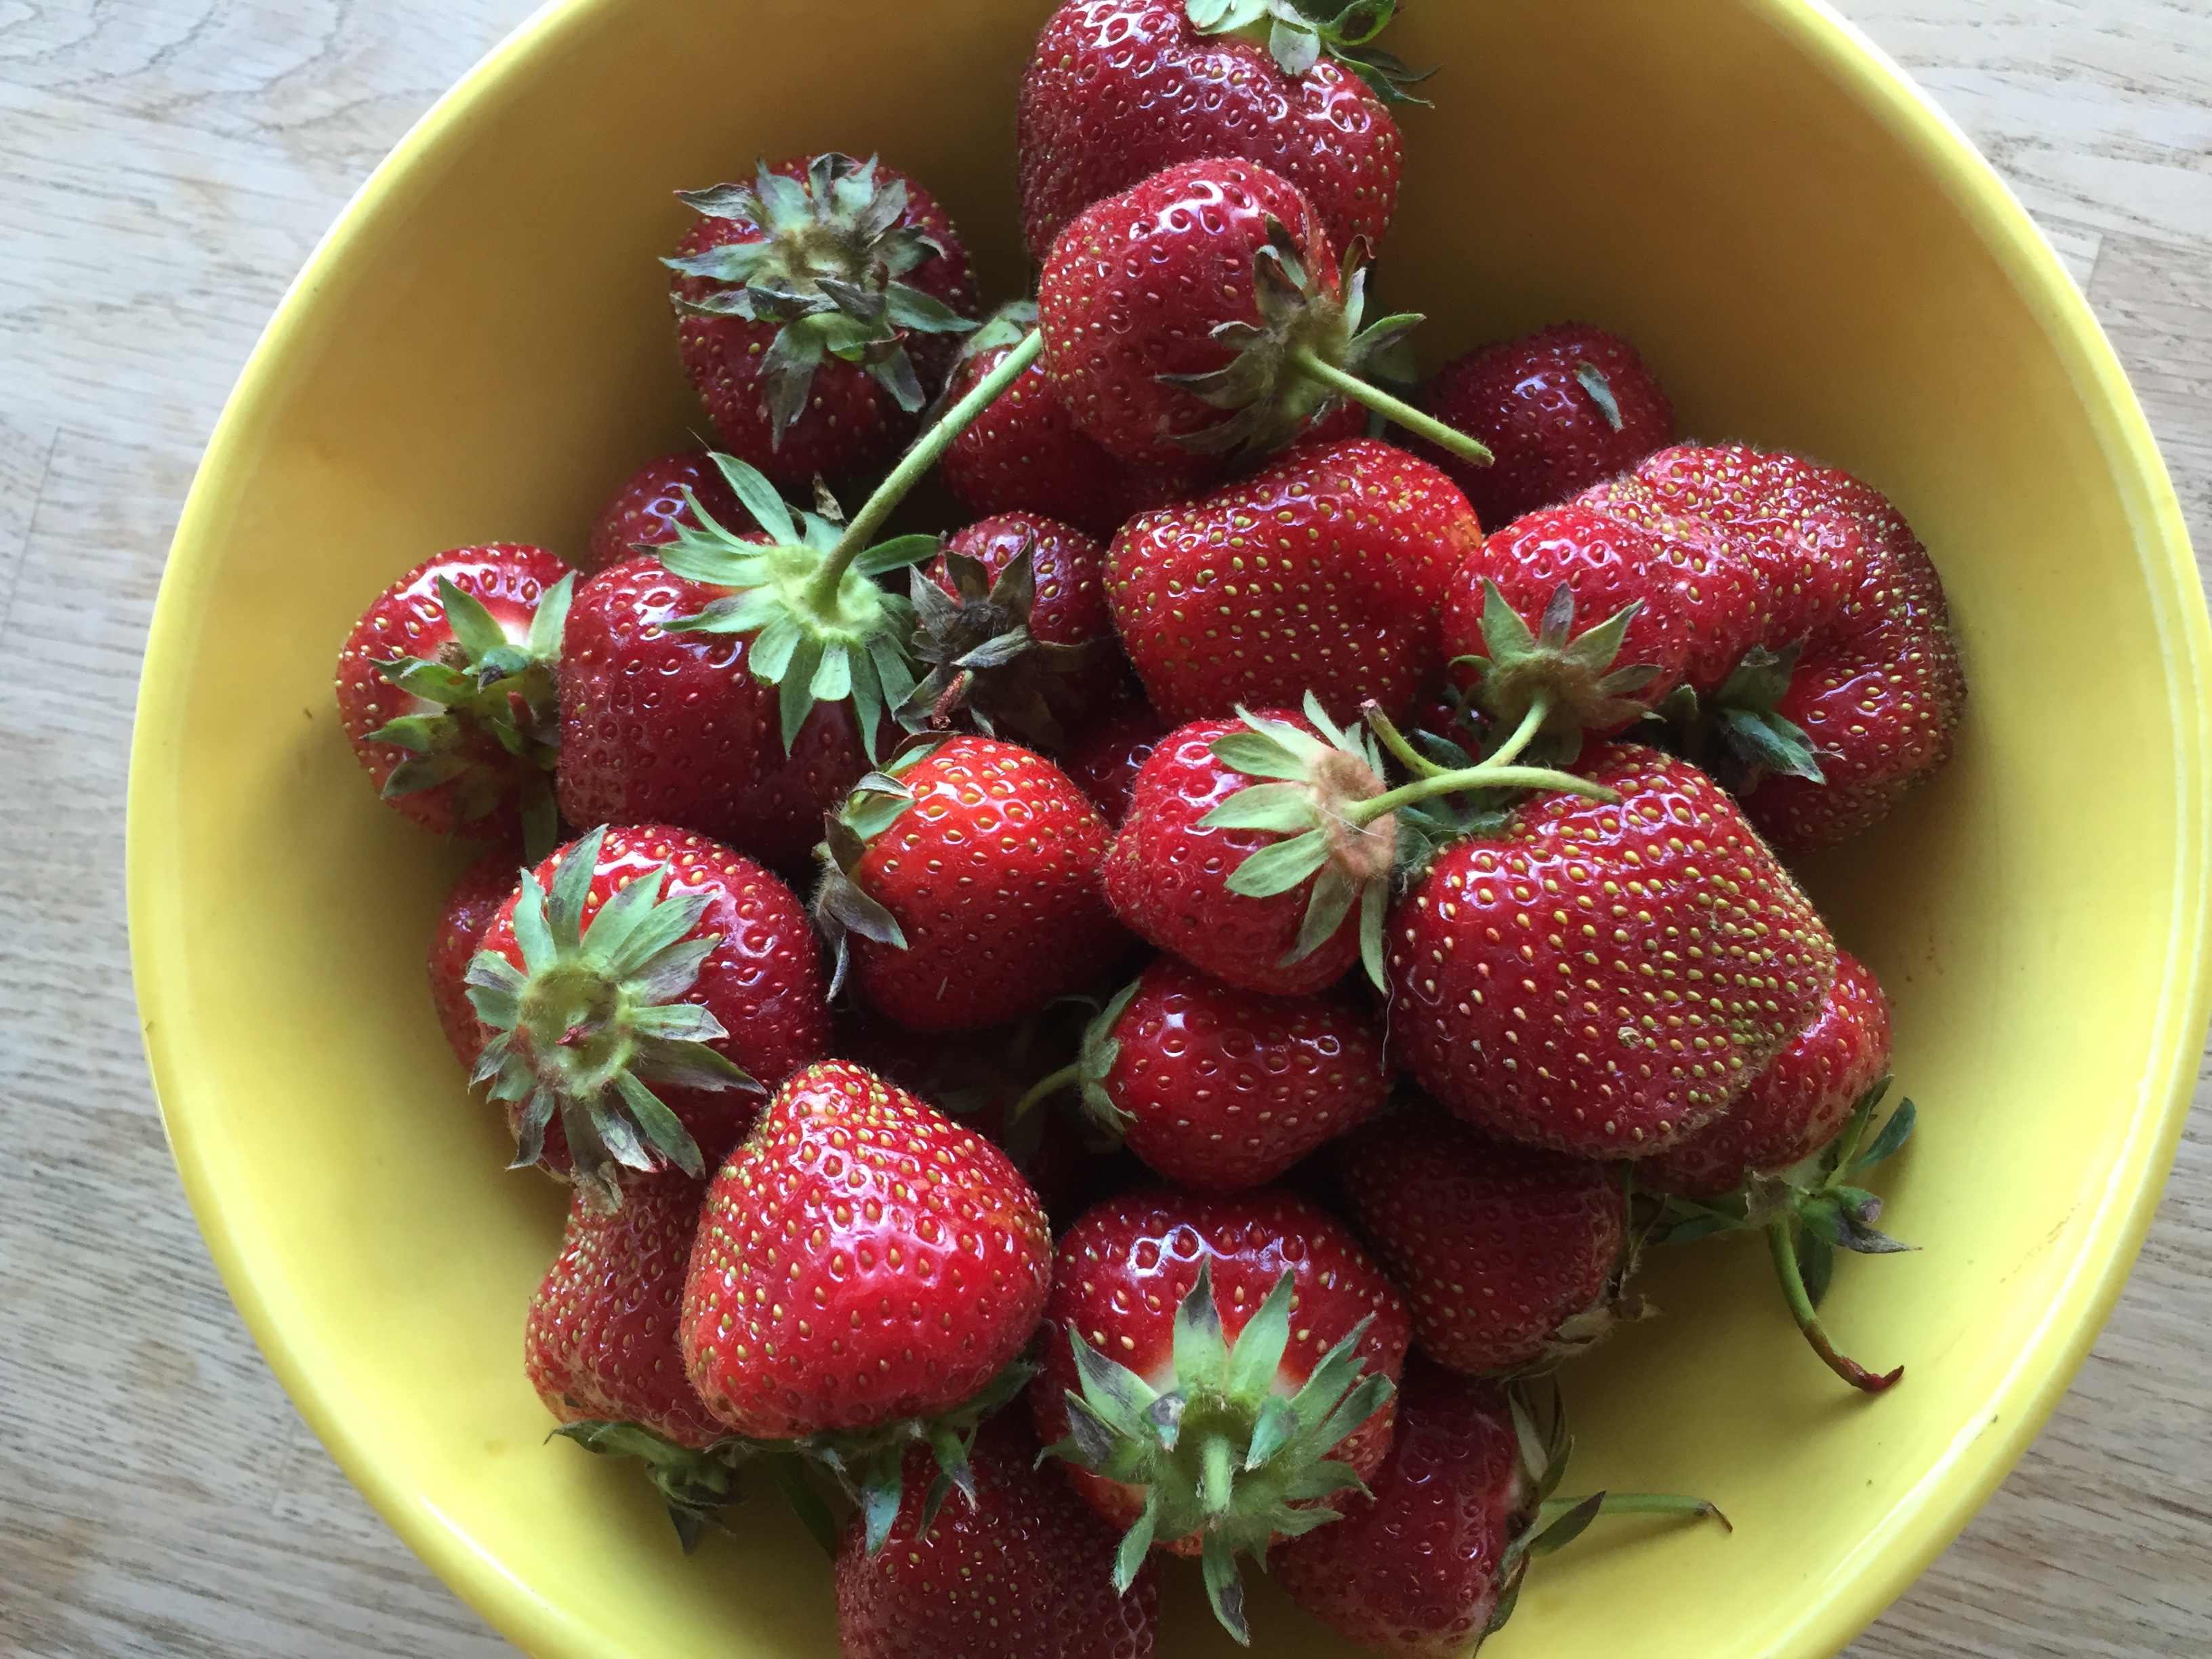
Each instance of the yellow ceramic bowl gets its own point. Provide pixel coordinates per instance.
(1809, 255)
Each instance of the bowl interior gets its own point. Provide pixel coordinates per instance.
(1809, 258)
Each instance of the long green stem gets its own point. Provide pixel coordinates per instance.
(1637, 1503)
(1394, 740)
(922, 455)
(1532, 722)
(1783, 1249)
(1316, 366)
(1051, 1083)
(1488, 776)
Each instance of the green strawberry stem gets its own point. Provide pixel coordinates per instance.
(1066, 1078)
(1394, 741)
(1496, 773)
(1783, 1247)
(1636, 1503)
(1315, 367)
(920, 456)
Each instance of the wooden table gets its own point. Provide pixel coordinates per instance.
(165, 166)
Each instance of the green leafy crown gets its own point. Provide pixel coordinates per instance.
(1298, 33)
(1570, 679)
(1738, 734)
(840, 905)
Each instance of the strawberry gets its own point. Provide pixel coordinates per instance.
(447, 691)
(474, 900)
(1169, 1358)
(1111, 748)
(1022, 1569)
(1326, 571)
(1433, 1562)
(1509, 1257)
(1603, 977)
(1119, 89)
(802, 302)
(645, 511)
(1069, 607)
(1219, 1089)
(1563, 408)
(637, 958)
(962, 886)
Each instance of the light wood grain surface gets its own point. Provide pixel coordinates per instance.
(165, 166)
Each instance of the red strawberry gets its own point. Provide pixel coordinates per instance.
(1119, 89)
(1219, 1089)
(643, 986)
(964, 886)
(1325, 572)
(1603, 978)
(1508, 1256)
(446, 690)
(475, 899)
(1022, 1569)
(671, 725)
(1070, 608)
(799, 299)
(1561, 409)
(1104, 757)
(1174, 1308)
(645, 511)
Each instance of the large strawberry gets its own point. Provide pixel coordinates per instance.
(962, 886)
(652, 502)
(1189, 1406)
(470, 904)
(447, 690)
(1326, 572)
(1119, 89)
(1604, 978)
(1021, 1569)
(802, 300)
(643, 986)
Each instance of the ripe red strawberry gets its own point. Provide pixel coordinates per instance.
(1024, 1570)
(1563, 408)
(645, 511)
(670, 725)
(644, 987)
(1119, 89)
(1175, 1308)
(1106, 754)
(1325, 572)
(1603, 978)
(804, 301)
(446, 690)
(474, 900)
(1070, 608)
(964, 886)
(1220, 1089)
(1508, 1256)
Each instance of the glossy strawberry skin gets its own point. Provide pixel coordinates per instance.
(1794, 1108)
(1120, 89)
(762, 980)
(1026, 1570)
(1604, 979)
(1025, 453)
(672, 727)
(1226, 1088)
(993, 876)
(647, 509)
(1125, 1268)
(408, 619)
(1495, 1246)
(1136, 285)
(1325, 571)
(1524, 399)
(601, 1340)
(471, 903)
(1105, 756)
(861, 1258)
(850, 424)
(1167, 877)
(1414, 1571)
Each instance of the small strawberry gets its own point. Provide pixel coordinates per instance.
(447, 690)
(1509, 1257)
(1119, 89)
(474, 900)
(799, 299)
(1022, 1569)
(1563, 408)
(1110, 750)
(645, 511)
(1326, 571)
(962, 886)
(637, 957)
(1604, 978)
(1189, 1406)
(1433, 1563)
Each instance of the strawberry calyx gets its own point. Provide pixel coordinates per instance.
(594, 1017)
(1299, 32)
(842, 906)
(825, 267)
(1807, 1213)
(1566, 680)
(482, 682)
(1738, 733)
(1221, 1455)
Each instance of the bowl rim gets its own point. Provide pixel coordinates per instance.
(1945, 1497)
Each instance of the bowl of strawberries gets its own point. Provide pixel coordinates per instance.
(1173, 799)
